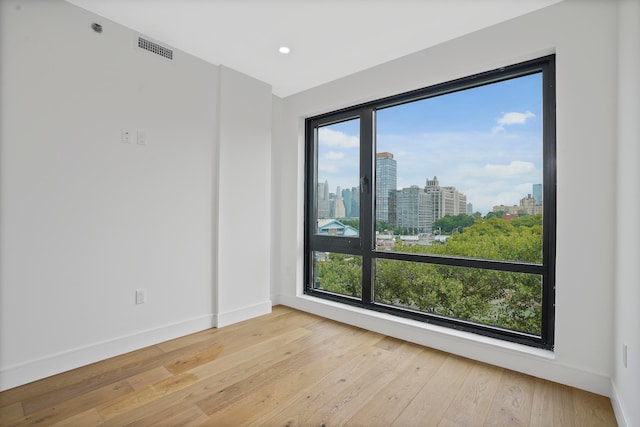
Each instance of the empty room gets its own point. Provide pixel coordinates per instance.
(282, 212)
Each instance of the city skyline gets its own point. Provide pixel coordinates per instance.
(485, 141)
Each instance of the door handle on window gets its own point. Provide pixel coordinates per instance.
(364, 185)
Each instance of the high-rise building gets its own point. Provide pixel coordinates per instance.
(409, 208)
(386, 183)
(346, 197)
(469, 209)
(537, 193)
(340, 211)
(324, 202)
(355, 202)
(443, 201)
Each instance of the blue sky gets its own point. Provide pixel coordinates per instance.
(486, 142)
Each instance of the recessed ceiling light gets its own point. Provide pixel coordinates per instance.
(284, 50)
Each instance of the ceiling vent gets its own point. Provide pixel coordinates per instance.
(155, 48)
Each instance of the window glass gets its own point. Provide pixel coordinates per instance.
(465, 163)
(338, 176)
(498, 298)
(338, 273)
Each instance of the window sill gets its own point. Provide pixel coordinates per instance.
(462, 343)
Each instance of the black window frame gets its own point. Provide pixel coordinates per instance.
(364, 244)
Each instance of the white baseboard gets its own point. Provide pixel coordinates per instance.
(33, 370)
(516, 357)
(244, 313)
(618, 408)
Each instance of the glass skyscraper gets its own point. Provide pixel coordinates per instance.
(386, 184)
(537, 193)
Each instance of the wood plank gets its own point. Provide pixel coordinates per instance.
(513, 400)
(185, 363)
(146, 378)
(306, 398)
(224, 372)
(176, 415)
(471, 405)
(563, 408)
(79, 404)
(264, 325)
(375, 373)
(309, 366)
(432, 401)
(67, 385)
(85, 419)
(542, 407)
(592, 410)
(111, 372)
(141, 397)
(10, 413)
(388, 403)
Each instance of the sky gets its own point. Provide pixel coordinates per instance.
(485, 141)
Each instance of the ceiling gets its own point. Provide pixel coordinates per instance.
(328, 39)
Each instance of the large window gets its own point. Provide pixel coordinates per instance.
(439, 204)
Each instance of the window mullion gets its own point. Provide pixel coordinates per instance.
(367, 212)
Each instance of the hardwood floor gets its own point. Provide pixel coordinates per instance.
(293, 368)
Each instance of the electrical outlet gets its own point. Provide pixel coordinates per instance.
(142, 137)
(141, 296)
(125, 135)
(624, 355)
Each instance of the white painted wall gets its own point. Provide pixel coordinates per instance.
(276, 198)
(85, 218)
(626, 380)
(244, 209)
(584, 36)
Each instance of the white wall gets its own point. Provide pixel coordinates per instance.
(276, 198)
(626, 380)
(244, 196)
(86, 218)
(584, 36)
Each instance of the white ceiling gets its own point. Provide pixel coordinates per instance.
(329, 39)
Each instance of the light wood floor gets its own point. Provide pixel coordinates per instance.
(292, 368)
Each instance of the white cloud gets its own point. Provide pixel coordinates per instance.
(512, 118)
(334, 138)
(334, 155)
(328, 168)
(515, 168)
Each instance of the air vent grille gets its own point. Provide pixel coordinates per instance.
(155, 48)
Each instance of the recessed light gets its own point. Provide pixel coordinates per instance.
(284, 50)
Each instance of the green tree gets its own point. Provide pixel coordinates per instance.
(496, 214)
(509, 300)
(340, 273)
(448, 223)
(505, 299)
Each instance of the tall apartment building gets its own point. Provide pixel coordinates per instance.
(409, 208)
(530, 206)
(386, 184)
(443, 201)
